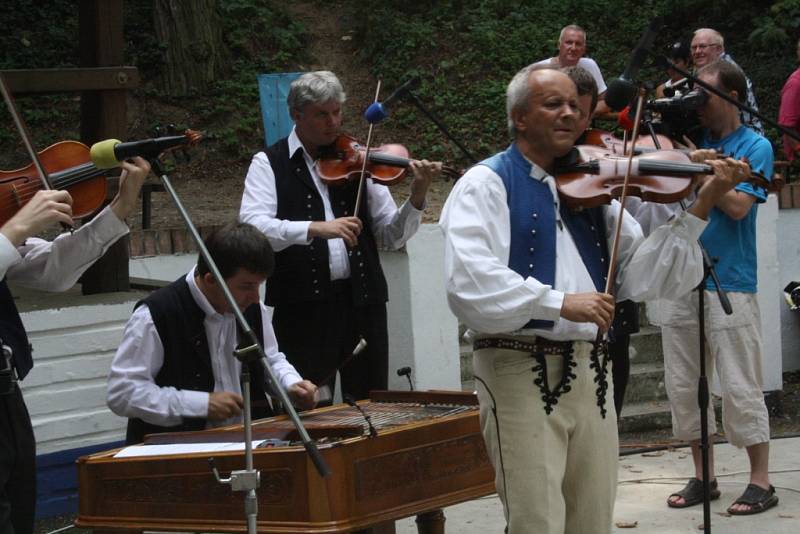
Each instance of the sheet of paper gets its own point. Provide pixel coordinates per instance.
(181, 448)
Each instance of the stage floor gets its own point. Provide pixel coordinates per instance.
(645, 481)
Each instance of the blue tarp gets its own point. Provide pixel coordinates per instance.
(272, 90)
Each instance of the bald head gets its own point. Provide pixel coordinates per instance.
(522, 86)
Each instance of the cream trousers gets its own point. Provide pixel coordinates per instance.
(733, 350)
(556, 473)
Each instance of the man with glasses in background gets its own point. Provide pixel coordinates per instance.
(708, 46)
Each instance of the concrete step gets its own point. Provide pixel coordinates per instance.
(645, 416)
(646, 345)
(646, 383)
(655, 415)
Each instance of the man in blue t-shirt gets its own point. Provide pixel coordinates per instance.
(733, 341)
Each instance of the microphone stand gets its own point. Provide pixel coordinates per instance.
(250, 350)
(418, 103)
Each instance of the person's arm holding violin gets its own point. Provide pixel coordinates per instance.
(260, 208)
(737, 202)
(394, 226)
(717, 190)
(56, 265)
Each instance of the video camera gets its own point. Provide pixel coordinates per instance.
(676, 116)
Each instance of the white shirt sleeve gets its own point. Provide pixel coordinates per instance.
(591, 65)
(284, 371)
(56, 265)
(132, 390)
(260, 207)
(482, 290)
(667, 263)
(392, 226)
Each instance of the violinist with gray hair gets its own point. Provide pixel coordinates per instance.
(527, 276)
(328, 288)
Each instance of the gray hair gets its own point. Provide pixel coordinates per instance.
(573, 27)
(314, 88)
(716, 36)
(518, 93)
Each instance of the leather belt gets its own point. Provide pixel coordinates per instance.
(540, 345)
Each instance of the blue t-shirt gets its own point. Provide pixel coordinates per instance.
(732, 242)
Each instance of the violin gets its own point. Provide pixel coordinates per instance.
(615, 145)
(68, 167)
(343, 160)
(661, 176)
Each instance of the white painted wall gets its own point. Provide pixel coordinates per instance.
(788, 247)
(423, 333)
(769, 292)
(65, 391)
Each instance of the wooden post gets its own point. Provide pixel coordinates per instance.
(103, 115)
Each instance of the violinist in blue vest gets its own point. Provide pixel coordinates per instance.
(328, 289)
(51, 266)
(527, 276)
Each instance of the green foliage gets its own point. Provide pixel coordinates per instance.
(467, 51)
(31, 38)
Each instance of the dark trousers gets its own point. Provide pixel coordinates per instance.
(17, 466)
(620, 368)
(318, 336)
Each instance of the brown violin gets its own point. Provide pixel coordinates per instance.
(387, 165)
(615, 145)
(661, 176)
(68, 167)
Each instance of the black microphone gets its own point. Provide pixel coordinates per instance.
(621, 91)
(111, 152)
(406, 372)
(692, 100)
(378, 111)
(352, 402)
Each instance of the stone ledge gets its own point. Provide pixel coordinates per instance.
(165, 241)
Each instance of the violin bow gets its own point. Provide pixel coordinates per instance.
(366, 159)
(612, 264)
(26, 138)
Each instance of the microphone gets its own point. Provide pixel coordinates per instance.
(406, 372)
(378, 111)
(111, 152)
(624, 119)
(352, 402)
(694, 99)
(624, 89)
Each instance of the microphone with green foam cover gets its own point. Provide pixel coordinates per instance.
(102, 154)
(111, 152)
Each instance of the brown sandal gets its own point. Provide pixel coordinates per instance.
(692, 493)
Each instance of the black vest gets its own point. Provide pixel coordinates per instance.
(12, 333)
(302, 272)
(187, 361)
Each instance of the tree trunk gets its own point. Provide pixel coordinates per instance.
(196, 54)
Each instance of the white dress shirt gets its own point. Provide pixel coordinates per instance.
(132, 391)
(56, 265)
(392, 226)
(490, 298)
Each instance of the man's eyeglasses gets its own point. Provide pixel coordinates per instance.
(701, 47)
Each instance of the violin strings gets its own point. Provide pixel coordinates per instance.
(19, 196)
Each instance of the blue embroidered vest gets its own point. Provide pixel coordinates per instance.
(532, 211)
